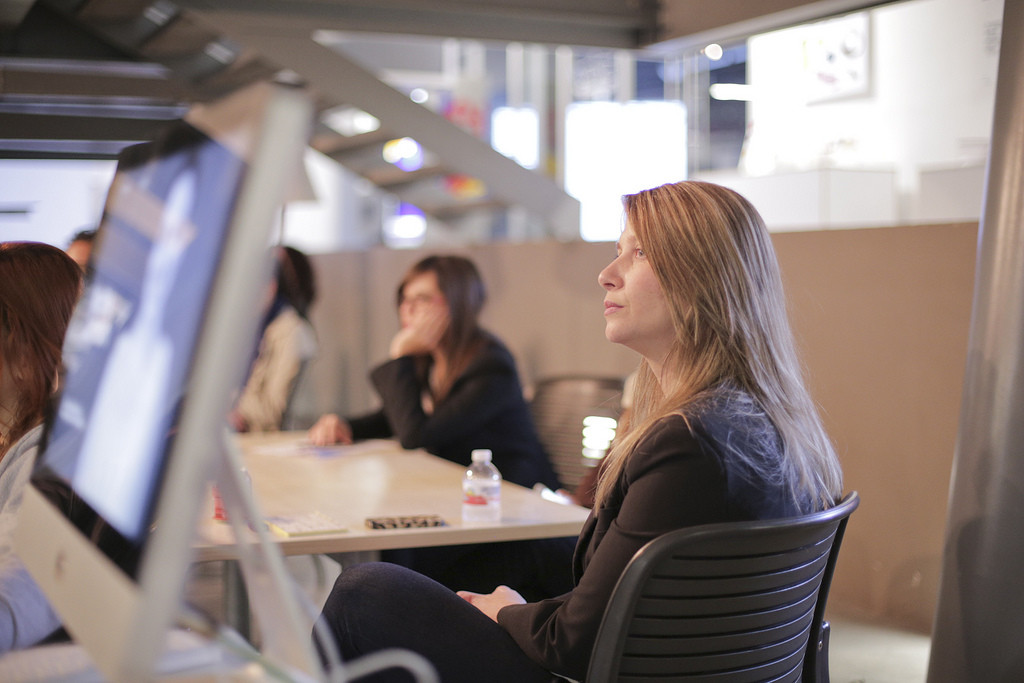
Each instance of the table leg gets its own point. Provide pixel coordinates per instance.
(236, 600)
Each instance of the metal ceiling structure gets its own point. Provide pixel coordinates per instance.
(84, 78)
(602, 23)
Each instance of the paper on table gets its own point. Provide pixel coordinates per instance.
(304, 448)
(296, 449)
(304, 524)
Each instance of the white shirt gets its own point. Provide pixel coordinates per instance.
(25, 615)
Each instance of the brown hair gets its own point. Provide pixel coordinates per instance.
(716, 265)
(296, 280)
(41, 285)
(464, 291)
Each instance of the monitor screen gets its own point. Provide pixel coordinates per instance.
(154, 352)
(130, 344)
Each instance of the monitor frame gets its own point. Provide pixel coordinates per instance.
(122, 621)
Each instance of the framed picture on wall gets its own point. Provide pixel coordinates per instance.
(837, 58)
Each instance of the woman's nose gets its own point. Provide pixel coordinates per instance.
(608, 278)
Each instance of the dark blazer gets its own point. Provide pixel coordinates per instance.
(484, 409)
(676, 477)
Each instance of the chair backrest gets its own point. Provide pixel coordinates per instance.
(559, 406)
(734, 602)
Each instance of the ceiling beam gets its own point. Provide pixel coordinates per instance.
(34, 126)
(600, 23)
(66, 78)
(688, 24)
(342, 81)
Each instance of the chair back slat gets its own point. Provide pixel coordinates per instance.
(766, 674)
(722, 623)
(739, 602)
(712, 584)
(776, 657)
(764, 595)
(739, 561)
(655, 642)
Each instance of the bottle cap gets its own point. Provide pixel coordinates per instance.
(481, 455)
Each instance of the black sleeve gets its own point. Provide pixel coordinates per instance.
(488, 387)
(669, 483)
(370, 426)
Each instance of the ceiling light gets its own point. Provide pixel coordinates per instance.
(731, 91)
(350, 121)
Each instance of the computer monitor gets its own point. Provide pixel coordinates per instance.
(155, 350)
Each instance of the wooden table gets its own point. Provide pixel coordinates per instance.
(376, 478)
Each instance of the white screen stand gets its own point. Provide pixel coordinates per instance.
(285, 618)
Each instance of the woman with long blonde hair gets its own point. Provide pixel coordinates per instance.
(723, 429)
(711, 252)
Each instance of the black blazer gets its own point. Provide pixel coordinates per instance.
(484, 409)
(676, 477)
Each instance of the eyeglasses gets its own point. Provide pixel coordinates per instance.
(417, 300)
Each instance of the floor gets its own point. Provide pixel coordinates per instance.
(862, 653)
(858, 652)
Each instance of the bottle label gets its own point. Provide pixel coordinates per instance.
(481, 501)
(482, 493)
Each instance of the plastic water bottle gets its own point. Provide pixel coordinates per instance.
(481, 489)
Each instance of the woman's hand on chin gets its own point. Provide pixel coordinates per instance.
(421, 333)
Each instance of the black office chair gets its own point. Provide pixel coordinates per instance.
(559, 406)
(734, 603)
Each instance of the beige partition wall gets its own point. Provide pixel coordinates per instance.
(881, 316)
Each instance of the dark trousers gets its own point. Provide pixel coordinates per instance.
(537, 569)
(379, 605)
